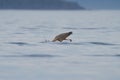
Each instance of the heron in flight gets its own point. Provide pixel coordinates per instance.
(62, 37)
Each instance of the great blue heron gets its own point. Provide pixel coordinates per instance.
(62, 37)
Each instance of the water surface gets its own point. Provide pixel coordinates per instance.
(27, 53)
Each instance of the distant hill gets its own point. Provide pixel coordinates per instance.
(39, 4)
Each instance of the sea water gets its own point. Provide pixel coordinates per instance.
(27, 53)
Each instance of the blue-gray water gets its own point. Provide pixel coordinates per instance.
(26, 52)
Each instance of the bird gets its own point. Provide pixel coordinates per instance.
(62, 36)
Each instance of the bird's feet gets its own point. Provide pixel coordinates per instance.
(70, 40)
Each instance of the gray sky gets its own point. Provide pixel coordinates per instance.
(100, 4)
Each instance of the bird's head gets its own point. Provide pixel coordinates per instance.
(70, 33)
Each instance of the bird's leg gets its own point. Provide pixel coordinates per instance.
(70, 40)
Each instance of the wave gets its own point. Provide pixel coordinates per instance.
(116, 55)
(101, 43)
(63, 43)
(30, 55)
(91, 28)
(80, 43)
(19, 43)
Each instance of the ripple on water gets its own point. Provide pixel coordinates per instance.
(19, 43)
(80, 43)
(101, 43)
(116, 55)
(91, 28)
(31, 55)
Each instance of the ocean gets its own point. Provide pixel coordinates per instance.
(27, 53)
